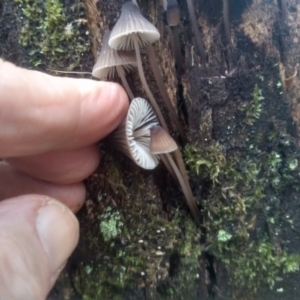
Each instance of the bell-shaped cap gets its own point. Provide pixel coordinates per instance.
(173, 13)
(132, 21)
(109, 59)
(161, 141)
(132, 137)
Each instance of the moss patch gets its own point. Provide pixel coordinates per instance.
(132, 243)
(53, 36)
(242, 195)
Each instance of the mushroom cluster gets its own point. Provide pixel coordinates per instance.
(144, 135)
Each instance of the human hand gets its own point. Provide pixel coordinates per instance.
(48, 130)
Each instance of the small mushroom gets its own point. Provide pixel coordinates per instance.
(161, 141)
(111, 61)
(132, 137)
(130, 32)
(141, 138)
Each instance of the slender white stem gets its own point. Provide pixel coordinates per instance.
(145, 85)
(121, 74)
(141, 132)
(177, 154)
(167, 165)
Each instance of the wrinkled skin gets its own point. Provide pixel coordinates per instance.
(48, 130)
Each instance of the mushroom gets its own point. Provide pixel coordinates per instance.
(141, 138)
(130, 32)
(111, 61)
(161, 141)
(196, 31)
(132, 137)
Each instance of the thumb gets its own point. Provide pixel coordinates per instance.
(37, 235)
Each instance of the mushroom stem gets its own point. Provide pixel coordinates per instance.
(145, 85)
(196, 29)
(141, 132)
(186, 190)
(167, 165)
(161, 119)
(162, 89)
(181, 167)
(226, 21)
(121, 74)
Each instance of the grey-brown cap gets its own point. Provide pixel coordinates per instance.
(132, 21)
(108, 59)
(132, 137)
(160, 141)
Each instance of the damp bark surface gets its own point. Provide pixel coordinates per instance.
(241, 113)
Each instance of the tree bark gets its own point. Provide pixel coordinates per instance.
(241, 111)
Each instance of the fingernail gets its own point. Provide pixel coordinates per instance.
(58, 230)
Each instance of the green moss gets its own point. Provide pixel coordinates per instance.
(52, 38)
(253, 111)
(149, 242)
(110, 224)
(260, 265)
(242, 187)
(160, 250)
(139, 251)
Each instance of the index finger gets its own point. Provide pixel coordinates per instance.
(40, 113)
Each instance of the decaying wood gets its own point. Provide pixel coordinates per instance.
(265, 50)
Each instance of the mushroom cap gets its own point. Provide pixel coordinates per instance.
(173, 13)
(141, 116)
(161, 141)
(132, 21)
(109, 59)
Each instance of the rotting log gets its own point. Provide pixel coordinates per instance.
(246, 100)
